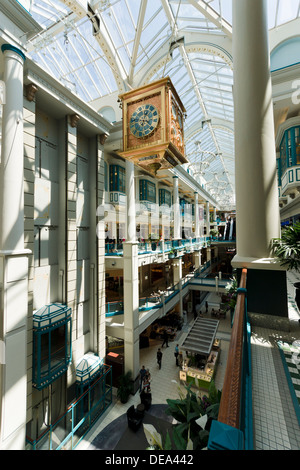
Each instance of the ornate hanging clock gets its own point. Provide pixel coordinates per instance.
(153, 126)
(144, 120)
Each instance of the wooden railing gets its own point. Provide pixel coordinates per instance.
(234, 428)
(229, 412)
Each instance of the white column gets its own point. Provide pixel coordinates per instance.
(255, 164)
(257, 204)
(177, 279)
(215, 218)
(176, 209)
(197, 259)
(130, 202)
(11, 169)
(177, 270)
(197, 222)
(131, 309)
(13, 259)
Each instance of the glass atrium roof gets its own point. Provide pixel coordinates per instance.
(133, 42)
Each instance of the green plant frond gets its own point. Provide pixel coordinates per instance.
(168, 443)
(192, 416)
(179, 441)
(287, 248)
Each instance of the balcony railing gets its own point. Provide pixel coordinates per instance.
(234, 428)
(69, 429)
(116, 308)
(116, 248)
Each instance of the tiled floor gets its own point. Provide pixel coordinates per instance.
(275, 422)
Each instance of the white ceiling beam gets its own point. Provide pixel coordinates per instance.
(80, 8)
(202, 42)
(212, 16)
(137, 38)
(184, 55)
(48, 35)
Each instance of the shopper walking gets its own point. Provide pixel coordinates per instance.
(166, 339)
(142, 376)
(159, 358)
(206, 307)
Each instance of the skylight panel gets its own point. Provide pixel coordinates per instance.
(288, 10)
(152, 9)
(134, 9)
(226, 10)
(124, 57)
(48, 12)
(105, 69)
(113, 31)
(154, 28)
(272, 13)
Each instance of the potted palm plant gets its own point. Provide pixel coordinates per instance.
(214, 234)
(125, 387)
(287, 251)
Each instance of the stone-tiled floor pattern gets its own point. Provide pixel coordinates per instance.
(275, 423)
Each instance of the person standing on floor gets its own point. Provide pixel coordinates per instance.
(166, 339)
(146, 388)
(176, 353)
(206, 307)
(142, 375)
(159, 357)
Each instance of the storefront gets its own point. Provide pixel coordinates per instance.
(199, 353)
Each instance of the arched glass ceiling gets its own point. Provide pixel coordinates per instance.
(279, 11)
(132, 46)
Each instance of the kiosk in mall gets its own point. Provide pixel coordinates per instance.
(200, 351)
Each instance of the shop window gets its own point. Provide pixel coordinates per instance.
(117, 178)
(51, 344)
(165, 197)
(290, 149)
(147, 191)
(283, 156)
(279, 174)
(182, 203)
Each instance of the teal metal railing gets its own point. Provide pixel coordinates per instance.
(116, 308)
(70, 428)
(234, 428)
(116, 249)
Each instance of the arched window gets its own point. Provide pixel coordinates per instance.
(286, 54)
(147, 191)
(51, 343)
(117, 178)
(165, 197)
(290, 148)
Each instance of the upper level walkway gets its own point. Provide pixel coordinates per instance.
(160, 303)
(274, 418)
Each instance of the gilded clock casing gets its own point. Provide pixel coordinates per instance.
(150, 141)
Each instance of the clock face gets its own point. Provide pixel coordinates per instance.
(144, 120)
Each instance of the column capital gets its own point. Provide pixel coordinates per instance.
(9, 47)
